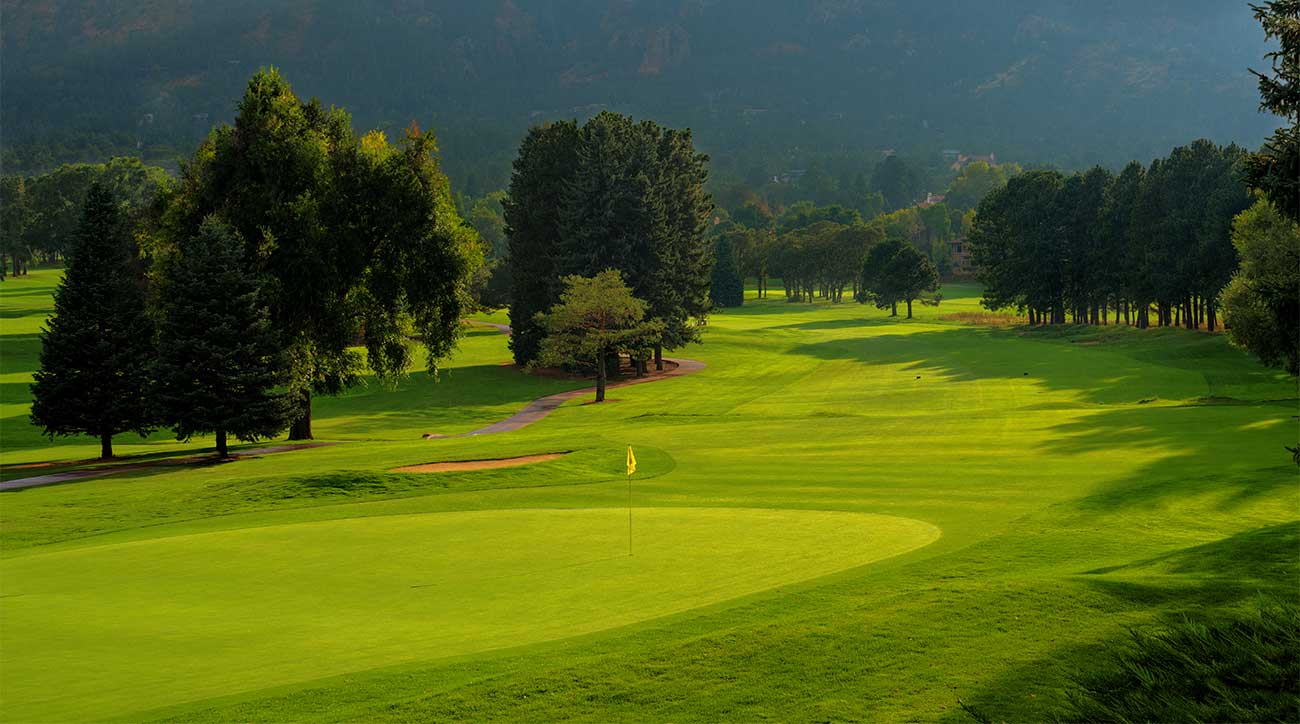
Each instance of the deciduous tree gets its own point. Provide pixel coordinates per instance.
(596, 319)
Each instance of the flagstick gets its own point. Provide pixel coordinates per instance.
(629, 515)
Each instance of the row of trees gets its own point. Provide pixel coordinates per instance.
(609, 194)
(39, 215)
(287, 241)
(1076, 247)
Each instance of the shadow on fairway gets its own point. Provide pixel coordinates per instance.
(1193, 582)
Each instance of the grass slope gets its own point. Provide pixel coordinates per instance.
(1083, 480)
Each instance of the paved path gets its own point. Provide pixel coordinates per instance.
(543, 406)
(99, 472)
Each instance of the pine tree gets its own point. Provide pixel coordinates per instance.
(546, 160)
(221, 367)
(98, 348)
(727, 289)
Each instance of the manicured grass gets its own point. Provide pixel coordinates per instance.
(1083, 481)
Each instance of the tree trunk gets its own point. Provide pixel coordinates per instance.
(659, 357)
(221, 445)
(909, 309)
(1209, 315)
(893, 309)
(105, 446)
(600, 377)
(301, 428)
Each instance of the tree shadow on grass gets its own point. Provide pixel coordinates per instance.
(1196, 582)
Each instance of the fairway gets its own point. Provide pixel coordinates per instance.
(841, 516)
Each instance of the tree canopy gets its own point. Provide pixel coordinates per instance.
(358, 238)
(595, 319)
(1261, 303)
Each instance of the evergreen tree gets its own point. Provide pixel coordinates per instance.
(728, 290)
(546, 161)
(98, 348)
(221, 367)
(1275, 169)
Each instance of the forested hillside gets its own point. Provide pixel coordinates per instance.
(767, 89)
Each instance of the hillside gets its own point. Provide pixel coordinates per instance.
(1069, 83)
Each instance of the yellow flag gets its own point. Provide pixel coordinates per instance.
(631, 461)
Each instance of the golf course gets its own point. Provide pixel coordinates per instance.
(838, 516)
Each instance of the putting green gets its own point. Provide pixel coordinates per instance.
(109, 630)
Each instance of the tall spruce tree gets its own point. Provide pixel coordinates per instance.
(97, 350)
(221, 367)
(546, 161)
(727, 289)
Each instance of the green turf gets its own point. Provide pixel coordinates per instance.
(1084, 480)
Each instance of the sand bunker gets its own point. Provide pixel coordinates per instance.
(464, 465)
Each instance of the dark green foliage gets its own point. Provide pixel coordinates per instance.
(595, 319)
(358, 239)
(221, 367)
(1243, 669)
(894, 271)
(547, 158)
(1262, 302)
(98, 348)
(1275, 169)
(1075, 248)
(803, 214)
(898, 182)
(613, 194)
(15, 217)
(819, 85)
(728, 289)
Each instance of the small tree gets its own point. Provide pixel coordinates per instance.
(1262, 302)
(97, 349)
(877, 284)
(595, 318)
(913, 277)
(727, 290)
(221, 367)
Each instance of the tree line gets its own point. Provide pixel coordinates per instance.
(1150, 244)
(609, 194)
(288, 240)
(39, 214)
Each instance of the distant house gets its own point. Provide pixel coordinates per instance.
(963, 159)
(789, 176)
(932, 199)
(950, 155)
(959, 256)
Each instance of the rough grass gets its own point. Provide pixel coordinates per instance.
(1085, 482)
(988, 319)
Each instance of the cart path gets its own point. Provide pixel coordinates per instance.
(543, 406)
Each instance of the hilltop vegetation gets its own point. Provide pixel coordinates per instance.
(1071, 83)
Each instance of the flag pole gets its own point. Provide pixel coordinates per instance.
(631, 468)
